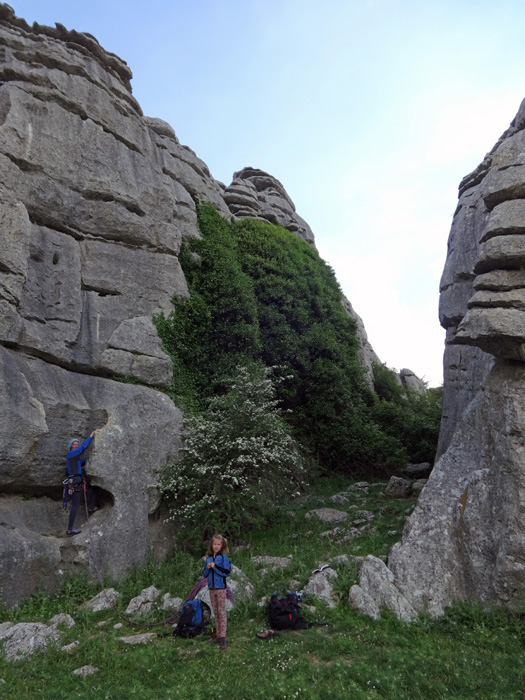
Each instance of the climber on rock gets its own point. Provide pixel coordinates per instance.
(76, 482)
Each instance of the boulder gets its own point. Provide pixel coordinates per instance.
(274, 563)
(360, 600)
(25, 638)
(398, 487)
(61, 619)
(417, 471)
(142, 638)
(143, 603)
(419, 485)
(377, 583)
(84, 671)
(320, 585)
(360, 486)
(341, 535)
(104, 600)
(327, 515)
(169, 603)
(339, 499)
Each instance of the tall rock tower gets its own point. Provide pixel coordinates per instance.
(466, 537)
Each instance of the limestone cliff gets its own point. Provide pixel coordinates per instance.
(95, 200)
(466, 538)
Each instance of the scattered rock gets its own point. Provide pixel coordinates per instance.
(24, 638)
(143, 603)
(102, 623)
(377, 582)
(169, 603)
(365, 514)
(327, 515)
(69, 647)
(263, 602)
(320, 586)
(360, 600)
(360, 486)
(61, 619)
(103, 600)
(4, 627)
(417, 471)
(142, 638)
(341, 535)
(84, 671)
(419, 485)
(118, 626)
(273, 562)
(339, 499)
(398, 487)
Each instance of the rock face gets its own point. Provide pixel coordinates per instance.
(95, 200)
(466, 538)
(253, 193)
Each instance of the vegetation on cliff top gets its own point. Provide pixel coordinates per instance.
(260, 294)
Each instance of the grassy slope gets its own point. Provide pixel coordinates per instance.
(466, 654)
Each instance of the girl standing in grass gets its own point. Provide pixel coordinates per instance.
(216, 568)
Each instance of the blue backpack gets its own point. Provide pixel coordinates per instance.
(193, 618)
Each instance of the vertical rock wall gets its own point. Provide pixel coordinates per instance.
(466, 537)
(95, 200)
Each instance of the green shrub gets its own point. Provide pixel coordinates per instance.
(259, 293)
(237, 459)
(411, 419)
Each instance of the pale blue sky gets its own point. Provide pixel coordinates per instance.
(369, 113)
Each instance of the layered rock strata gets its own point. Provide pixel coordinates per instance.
(255, 194)
(466, 537)
(95, 201)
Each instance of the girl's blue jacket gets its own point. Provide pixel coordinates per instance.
(217, 575)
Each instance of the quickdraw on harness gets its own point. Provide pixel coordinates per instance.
(73, 482)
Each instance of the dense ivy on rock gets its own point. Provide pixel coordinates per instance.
(260, 293)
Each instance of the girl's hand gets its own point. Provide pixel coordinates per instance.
(211, 565)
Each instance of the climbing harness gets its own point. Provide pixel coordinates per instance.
(72, 484)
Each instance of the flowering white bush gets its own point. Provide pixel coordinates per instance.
(238, 459)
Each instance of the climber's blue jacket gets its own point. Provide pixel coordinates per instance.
(74, 459)
(217, 575)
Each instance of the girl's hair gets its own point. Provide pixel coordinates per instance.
(224, 542)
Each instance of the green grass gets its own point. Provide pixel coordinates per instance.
(468, 653)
